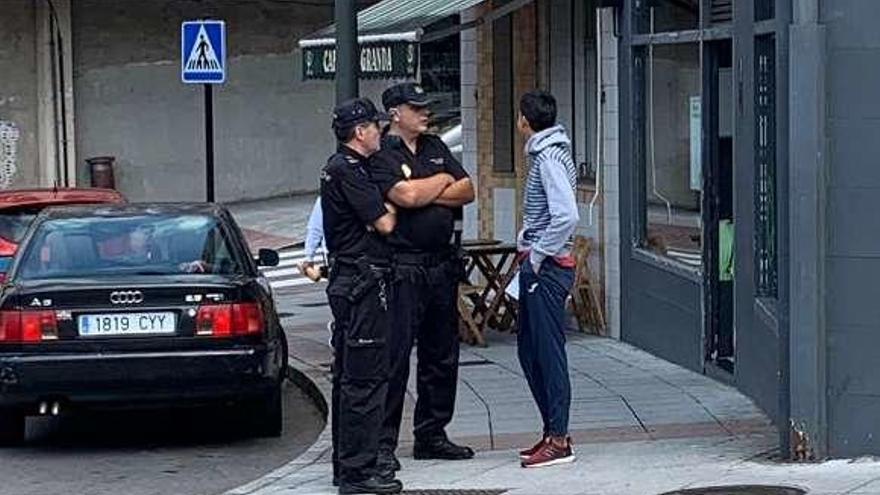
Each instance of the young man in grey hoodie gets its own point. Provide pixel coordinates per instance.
(546, 274)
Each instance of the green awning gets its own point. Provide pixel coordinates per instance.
(389, 34)
(394, 20)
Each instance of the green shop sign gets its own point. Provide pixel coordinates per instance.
(381, 60)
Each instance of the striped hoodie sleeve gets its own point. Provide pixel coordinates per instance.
(557, 183)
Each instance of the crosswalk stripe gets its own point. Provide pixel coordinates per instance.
(291, 254)
(292, 283)
(287, 273)
(289, 262)
(282, 273)
(293, 261)
(297, 253)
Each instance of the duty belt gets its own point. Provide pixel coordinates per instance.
(361, 262)
(429, 258)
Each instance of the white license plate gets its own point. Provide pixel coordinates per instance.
(126, 324)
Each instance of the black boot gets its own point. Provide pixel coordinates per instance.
(373, 484)
(387, 461)
(441, 448)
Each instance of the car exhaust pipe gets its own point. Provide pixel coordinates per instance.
(8, 376)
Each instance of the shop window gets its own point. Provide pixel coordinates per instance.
(441, 79)
(662, 16)
(765, 167)
(503, 104)
(672, 149)
(765, 10)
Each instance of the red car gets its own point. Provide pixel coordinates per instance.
(18, 207)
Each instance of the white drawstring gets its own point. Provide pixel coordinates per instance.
(599, 137)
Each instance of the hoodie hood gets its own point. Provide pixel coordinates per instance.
(546, 138)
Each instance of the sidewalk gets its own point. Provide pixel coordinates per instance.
(273, 223)
(641, 425)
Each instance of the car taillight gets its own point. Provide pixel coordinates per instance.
(247, 318)
(28, 326)
(227, 320)
(7, 248)
(10, 326)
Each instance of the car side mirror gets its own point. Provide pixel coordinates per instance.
(267, 257)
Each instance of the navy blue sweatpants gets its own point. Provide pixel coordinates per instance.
(541, 340)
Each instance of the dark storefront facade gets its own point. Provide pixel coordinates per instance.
(749, 236)
(704, 173)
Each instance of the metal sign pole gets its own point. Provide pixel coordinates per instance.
(209, 142)
(347, 50)
(203, 61)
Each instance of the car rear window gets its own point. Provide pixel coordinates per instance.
(14, 223)
(129, 245)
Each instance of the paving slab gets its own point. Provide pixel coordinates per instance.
(641, 425)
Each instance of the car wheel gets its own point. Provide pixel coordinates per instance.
(266, 416)
(12, 423)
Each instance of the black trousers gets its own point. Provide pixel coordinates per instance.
(359, 300)
(425, 311)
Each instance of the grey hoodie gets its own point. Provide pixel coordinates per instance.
(550, 208)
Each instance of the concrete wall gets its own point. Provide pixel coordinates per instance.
(18, 85)
(271, 128)
(852, 263)
(525, 61)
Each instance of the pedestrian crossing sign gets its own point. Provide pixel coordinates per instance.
(203, 52)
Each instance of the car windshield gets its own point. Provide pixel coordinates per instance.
(129, 245)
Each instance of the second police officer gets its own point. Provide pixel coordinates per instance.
(356, 222)
(417, 172)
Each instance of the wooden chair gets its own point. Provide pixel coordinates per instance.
(585, 296)
(483, 302)
(468, 328)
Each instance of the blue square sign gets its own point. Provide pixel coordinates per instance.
(203, 52)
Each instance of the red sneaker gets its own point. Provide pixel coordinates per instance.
(549, 454)
(525, 454)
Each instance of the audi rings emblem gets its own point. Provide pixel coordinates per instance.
(127, 297)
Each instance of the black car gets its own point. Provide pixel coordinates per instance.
(128, 306)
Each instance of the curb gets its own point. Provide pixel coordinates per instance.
(306, 384)
(319, 450)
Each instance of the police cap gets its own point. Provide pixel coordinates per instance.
(409, 92)
(356, 111)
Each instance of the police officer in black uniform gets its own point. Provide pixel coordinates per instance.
(356, 221)
(417, 172)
